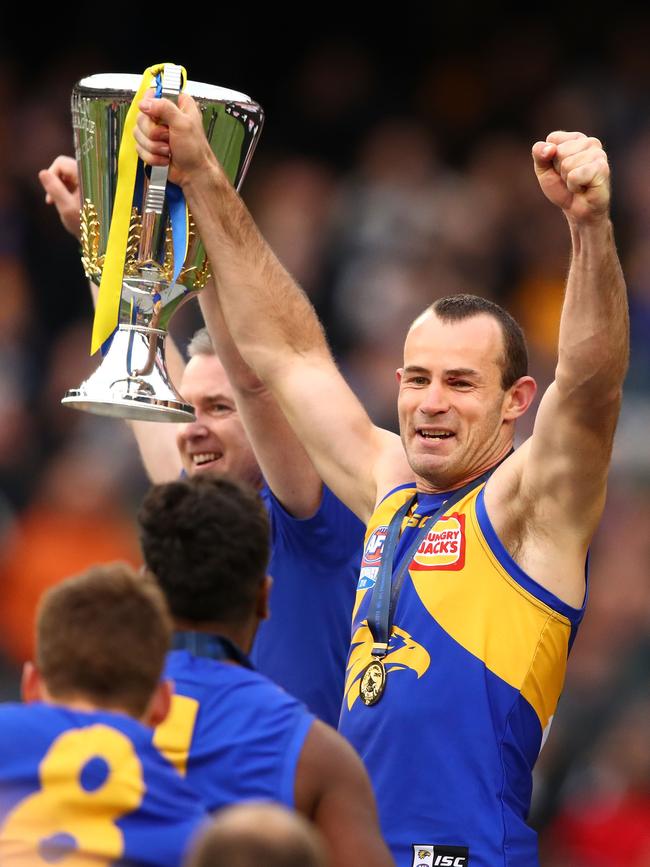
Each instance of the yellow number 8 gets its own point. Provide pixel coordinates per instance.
(90, 778)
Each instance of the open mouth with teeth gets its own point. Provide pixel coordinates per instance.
(435, 435)
(203, 458)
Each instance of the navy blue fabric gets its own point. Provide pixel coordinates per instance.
(314, 566)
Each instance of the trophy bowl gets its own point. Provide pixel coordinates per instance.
(132, 380)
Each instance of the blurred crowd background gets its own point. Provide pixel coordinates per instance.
(394, 168)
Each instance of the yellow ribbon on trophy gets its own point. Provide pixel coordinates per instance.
(110, 289)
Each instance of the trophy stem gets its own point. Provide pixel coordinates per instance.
(132, 381)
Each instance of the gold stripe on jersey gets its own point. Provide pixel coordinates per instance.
(518, 637)
(173, 737)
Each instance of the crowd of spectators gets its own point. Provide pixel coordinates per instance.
(380, 190)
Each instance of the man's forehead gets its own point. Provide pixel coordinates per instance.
(205, 378)
(465, 343)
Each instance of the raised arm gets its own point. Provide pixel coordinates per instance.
(156, 441)
(333, 790)
(271, 320)
(284, 462)
(561, 472)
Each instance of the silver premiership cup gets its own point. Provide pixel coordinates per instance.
(132, 380)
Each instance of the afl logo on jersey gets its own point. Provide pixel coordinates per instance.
(443, 547)
(374, 547)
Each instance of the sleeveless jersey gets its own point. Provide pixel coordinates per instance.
(475, 667)
(232, 733)
(314, 566)
(88, 788)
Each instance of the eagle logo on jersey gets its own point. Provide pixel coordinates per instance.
(403, 653)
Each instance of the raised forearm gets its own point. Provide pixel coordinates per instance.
(241, 376)
(250, 278)
(594, 328)
(573, 173)
(284, 463)
(157, 440)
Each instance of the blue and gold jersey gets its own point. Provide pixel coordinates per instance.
(81, 788)
(232, 733)
(475, 667)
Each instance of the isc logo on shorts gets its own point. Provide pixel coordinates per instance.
(427, 855)
(443, 547)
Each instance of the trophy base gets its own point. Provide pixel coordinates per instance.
(132, 381)
(131, 408)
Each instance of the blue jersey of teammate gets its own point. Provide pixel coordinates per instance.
(88, 787)
(231, 732)
(314, 565)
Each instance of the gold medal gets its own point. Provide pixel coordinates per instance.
(372, 683)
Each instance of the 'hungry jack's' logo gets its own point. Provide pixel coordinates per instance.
(443, 547)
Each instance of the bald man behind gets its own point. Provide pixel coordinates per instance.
(254, 834)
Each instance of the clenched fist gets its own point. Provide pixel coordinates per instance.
(573, 172)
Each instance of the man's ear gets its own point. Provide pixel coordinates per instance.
(31, 684)
(161, 701)
(519, 397)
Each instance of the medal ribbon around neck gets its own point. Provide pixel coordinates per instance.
(110, 289)
(387, 589)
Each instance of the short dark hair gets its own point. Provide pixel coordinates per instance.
(454, 308)
(103, 635)
(206, 541)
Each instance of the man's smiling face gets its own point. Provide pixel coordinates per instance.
(216, 442)
(451, 399)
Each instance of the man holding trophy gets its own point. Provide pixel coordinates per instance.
(459, 650)
(238, 428)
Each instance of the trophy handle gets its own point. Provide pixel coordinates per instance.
(146, 369)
